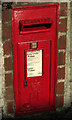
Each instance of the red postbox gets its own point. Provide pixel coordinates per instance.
(35, 39)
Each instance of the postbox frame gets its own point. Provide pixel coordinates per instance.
(16, 92)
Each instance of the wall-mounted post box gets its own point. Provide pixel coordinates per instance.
(35, 39)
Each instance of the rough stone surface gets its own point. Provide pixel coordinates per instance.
(63, 25)
(62, 42)
(63, 9)
(60, 88)
(10, 107)
(6, 16)
(7, 47)
(67, 101)
(61, 73)
(8, 63)
(9, 94)
(61, 59)
(8, 79)
(1, 54)
(6, 31)
(71, 51)
(59, 101)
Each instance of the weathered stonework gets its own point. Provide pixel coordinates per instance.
(67, 101)
(71, 51)
(64, 86)
(1, 63)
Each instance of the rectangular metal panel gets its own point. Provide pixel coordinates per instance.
(34, 90)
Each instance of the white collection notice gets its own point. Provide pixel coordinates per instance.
(34, 63)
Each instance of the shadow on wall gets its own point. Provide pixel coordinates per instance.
(59, 115)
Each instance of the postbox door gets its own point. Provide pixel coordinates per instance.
(34, 75)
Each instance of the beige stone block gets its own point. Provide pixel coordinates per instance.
(0, 62)
(0, 71)
(0, 46)
(71, 91)
(71, 85)
(0, 103)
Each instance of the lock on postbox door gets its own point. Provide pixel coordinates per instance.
(35, 36)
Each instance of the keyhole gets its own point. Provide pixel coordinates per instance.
(25, 84)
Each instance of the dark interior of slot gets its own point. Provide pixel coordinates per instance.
(35, 26)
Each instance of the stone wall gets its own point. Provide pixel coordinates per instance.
(71, 49)
(1, 62)
(61, 88)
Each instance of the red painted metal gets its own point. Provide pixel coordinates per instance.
(38, 23)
